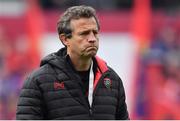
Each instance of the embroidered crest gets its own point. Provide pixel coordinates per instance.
(107, 83)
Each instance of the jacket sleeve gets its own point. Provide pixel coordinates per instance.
(122, 112)
(30, 104)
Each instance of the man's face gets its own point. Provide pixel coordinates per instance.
(84, 42)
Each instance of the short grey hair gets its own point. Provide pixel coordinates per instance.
(75, 12)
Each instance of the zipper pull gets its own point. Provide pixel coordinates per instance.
(90, 112)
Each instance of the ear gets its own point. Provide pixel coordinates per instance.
(64, 40)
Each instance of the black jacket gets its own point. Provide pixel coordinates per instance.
(54, 91)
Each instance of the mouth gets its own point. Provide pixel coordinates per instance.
(90, 51)
(91, 48)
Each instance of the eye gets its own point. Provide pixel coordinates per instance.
(95, 32)
(84, 33)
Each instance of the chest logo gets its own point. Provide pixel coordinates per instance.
(107, 83)
(58, 85)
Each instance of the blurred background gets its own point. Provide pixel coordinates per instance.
(140, 39)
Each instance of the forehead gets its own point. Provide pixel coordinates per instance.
(83, 24)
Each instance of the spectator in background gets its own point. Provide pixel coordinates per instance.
(162, 65)
(11, 75)
(4, 51)
(74, 83)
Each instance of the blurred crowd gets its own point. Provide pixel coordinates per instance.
(14, 66)
(166, 75)
(159, 77)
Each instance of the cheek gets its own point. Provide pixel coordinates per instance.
(97, 43)
(80, 44)
(77, 46)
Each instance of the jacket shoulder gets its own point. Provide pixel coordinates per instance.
(43, 70)
(39, 75)
(113, 74)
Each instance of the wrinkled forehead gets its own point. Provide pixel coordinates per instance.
(83, 24)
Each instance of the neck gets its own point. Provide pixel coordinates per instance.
(81, 64)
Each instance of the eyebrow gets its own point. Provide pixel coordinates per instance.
(88, 30)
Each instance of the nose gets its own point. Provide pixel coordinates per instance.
(92, 37)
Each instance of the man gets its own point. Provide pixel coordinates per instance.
(74, 83)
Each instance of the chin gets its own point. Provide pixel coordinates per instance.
(89, 54)
(92, 54)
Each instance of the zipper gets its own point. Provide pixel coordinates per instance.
(90, 108)
(90, 113)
